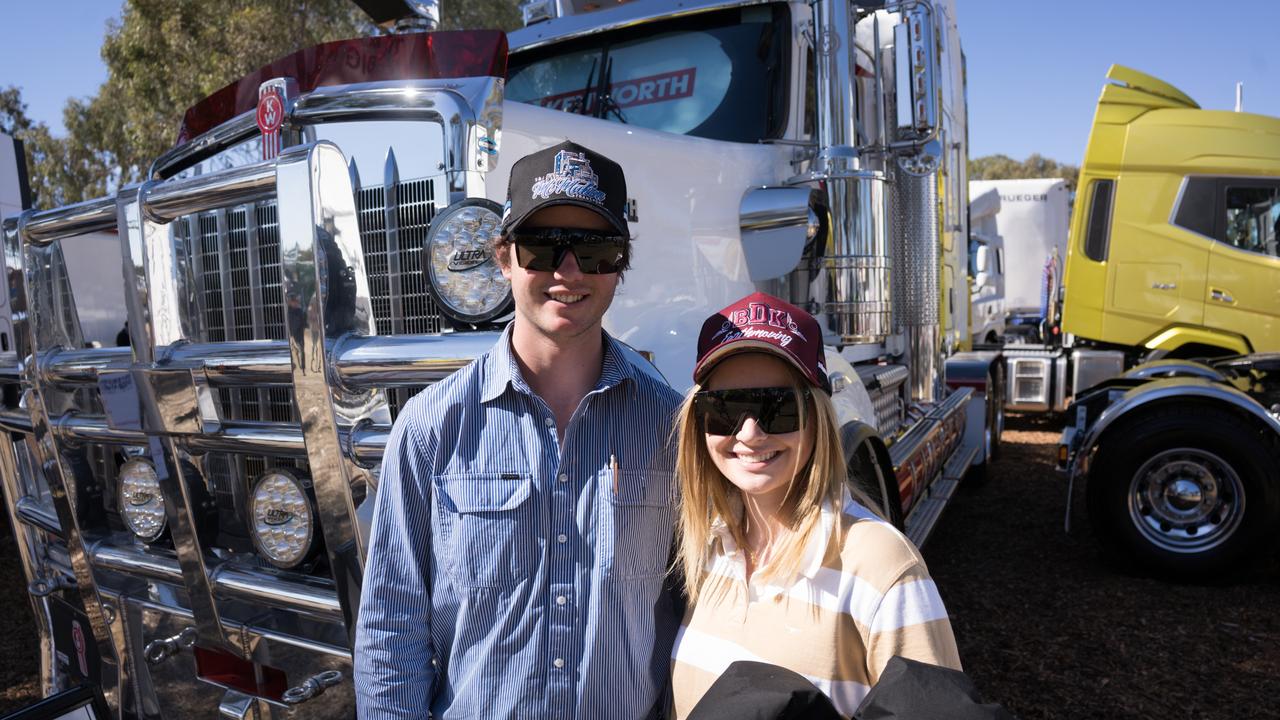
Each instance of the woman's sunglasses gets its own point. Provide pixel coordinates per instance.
(544, 249)
(722, 412)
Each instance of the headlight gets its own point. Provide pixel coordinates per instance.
(458, 259)
(141, 503)
(283, 522)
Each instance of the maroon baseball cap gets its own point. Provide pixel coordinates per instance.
(763, 323)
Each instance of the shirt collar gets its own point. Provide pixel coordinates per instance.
(501, 371)
(814, 551)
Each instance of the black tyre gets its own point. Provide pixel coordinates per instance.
(876, 483)
(1186, 493)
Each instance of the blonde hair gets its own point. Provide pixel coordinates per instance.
(705, 494)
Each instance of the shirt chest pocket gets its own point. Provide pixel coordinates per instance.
(488, 528)
(635, 523)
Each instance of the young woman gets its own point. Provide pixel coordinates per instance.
(783, 561)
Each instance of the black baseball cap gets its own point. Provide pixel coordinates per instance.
(567, 174)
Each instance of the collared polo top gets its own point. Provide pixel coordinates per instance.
(861, 595)
(511, 576)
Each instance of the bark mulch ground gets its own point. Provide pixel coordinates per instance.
(1048, 628)
(1045, 625)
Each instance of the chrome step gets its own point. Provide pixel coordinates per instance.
(927, 512)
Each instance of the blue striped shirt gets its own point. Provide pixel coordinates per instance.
(510, 576)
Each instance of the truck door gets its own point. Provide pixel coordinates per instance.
(1243, 288)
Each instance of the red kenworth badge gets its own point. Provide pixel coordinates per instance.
(271, 111)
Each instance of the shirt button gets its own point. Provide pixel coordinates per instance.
(558, 662)
(562, 538)
(550, 422)
(562, 600)
(563, 478)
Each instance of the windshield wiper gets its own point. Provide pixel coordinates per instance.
(586, 92)
(609, 106)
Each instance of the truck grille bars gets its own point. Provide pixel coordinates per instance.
(160, 395)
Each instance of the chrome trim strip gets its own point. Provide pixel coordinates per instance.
(257, 438)
(247, 363)
(391, 221)
(327, 296)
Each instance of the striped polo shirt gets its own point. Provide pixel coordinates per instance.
(853, 605)
(512, 575)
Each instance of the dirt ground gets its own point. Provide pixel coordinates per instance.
(1045, 626)
(1048, 629)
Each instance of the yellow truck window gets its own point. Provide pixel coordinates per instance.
(1098, 235)
(1252, 218)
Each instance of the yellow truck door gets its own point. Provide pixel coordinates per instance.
(1155, 275)
(1242, 294)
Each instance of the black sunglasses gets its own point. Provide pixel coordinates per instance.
(722, 412)
(543, 249)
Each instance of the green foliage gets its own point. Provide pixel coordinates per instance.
(1003, 167)
(163, 56)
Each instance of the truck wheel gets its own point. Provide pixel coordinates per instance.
(1185, 493)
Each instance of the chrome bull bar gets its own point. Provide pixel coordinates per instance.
(332, 359)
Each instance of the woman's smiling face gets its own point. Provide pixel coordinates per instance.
(760, 464)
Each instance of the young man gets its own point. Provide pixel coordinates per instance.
(523, 521)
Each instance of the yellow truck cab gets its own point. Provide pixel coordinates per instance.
(1173, 244)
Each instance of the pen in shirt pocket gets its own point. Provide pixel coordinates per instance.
(613, 467)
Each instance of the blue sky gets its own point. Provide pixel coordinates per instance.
(1035, 67)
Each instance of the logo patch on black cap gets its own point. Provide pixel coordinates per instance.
(571, 176)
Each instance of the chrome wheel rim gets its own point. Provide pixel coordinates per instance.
(1186, 500)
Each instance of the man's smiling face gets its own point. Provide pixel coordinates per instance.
(564, 303)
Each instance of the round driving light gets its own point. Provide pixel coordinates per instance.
(458, 258)
(140, 500)
(282, 520)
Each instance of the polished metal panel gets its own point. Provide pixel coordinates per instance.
(89, 216)
(468, 109)
(326, 297)
(858, 305)
(776, 224)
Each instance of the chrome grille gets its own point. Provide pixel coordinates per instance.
(235, 268)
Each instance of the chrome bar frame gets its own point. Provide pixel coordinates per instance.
(327, 297)
(34, 270)
(169, 398)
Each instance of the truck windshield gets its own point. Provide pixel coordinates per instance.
(719, 75)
